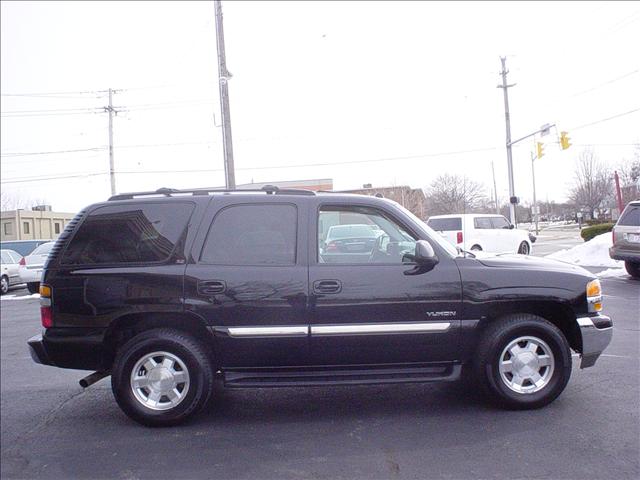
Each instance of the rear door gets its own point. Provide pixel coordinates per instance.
(248, 278)
(367, 309)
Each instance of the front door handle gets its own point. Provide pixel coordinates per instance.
(211, 287)
(327, 286)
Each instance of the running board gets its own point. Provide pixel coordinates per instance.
(337, 376)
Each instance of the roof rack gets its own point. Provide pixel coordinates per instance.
(168, 192)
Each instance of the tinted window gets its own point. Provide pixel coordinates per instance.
(252, 235)
(364, 235)
(482, 223)
(129, 234)
(445, 224)
(630, 217)
(500, 222)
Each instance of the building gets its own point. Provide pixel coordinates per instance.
(413, 199)
(316, 185)
(39, 223)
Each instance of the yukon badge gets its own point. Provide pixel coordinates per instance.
(444, 313)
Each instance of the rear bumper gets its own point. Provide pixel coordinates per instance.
(625, 255)
(596, 334)
(78, 348)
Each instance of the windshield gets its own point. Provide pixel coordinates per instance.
(434, 236)
(43, 249)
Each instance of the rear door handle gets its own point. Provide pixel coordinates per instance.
(211, 287)
(327, 286)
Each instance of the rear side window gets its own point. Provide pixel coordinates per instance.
(252, 235)
(445, 224)
(144, 233)
(630, 217)
(482, 223)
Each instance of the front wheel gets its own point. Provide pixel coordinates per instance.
(523, 361)
(524, 248)
(161, 377)
(33, 287)
(633, 269)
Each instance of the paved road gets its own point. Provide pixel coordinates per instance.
(51, 428)
(553, 239)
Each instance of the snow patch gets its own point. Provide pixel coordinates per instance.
(22, 297)
(594, 253)
(612, 272)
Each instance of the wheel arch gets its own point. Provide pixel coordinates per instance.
(129, 325)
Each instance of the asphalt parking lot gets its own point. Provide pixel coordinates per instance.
(51, 428)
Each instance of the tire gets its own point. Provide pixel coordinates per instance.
(33, 287)
(633, 269)
(524, 248)
(476, 248)
(4, 285)
(543, 340)
(189, 380)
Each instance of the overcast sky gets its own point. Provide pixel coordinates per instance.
(364, 92)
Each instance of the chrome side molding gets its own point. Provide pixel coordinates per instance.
(379, 328)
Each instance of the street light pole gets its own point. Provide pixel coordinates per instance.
(224, 75)
(535, 203)
(507, 117)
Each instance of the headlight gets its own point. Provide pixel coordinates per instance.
(594, 296)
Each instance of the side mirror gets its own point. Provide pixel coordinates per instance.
(424, 257)
(511, 227)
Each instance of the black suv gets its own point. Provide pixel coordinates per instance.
(167, 290)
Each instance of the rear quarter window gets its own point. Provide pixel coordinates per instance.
(121, 234)
(445, 224)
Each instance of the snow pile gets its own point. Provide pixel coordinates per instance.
(23, 297)
(612, 272)
(594, 253)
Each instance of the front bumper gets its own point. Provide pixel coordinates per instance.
(596, 335)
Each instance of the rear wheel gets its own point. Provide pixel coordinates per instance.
(524, 249)
(523, 361)
(476, 248)
(161, 377)
(33, 287)
(4, 284)
(633, 269)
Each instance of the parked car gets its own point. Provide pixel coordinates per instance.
(166, 290)
(9, 271)
(23, 247)
(32, 265)
(478, 232)
(626, 239)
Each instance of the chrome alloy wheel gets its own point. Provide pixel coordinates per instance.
(526, 365)
(160, 381)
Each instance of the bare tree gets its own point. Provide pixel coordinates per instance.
(629, 171)
(455, 194)
(593, 182)
(15, 201)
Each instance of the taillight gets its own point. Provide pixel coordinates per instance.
(22, 262)
(613, 236)
(46, 316)
(332, 247)
(459, 237)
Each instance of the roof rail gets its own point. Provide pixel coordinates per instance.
(168, 192)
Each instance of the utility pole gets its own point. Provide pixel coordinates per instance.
(223, 78)
(495, 189)
(112, 173)
(504, 86)
(535, 203)
(618, 192)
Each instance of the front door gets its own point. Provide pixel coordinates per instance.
(364, 307)
(248, 279)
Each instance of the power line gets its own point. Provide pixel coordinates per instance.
(60, 177)
(605, 84)
(48, 94)
(23, 154)
(605, 119)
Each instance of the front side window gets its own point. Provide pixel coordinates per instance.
(351, 234)
(500, 222)
(482, 223)
(143, 233)
(252, 235)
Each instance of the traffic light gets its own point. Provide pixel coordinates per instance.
(540, 148)
(564, 140)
